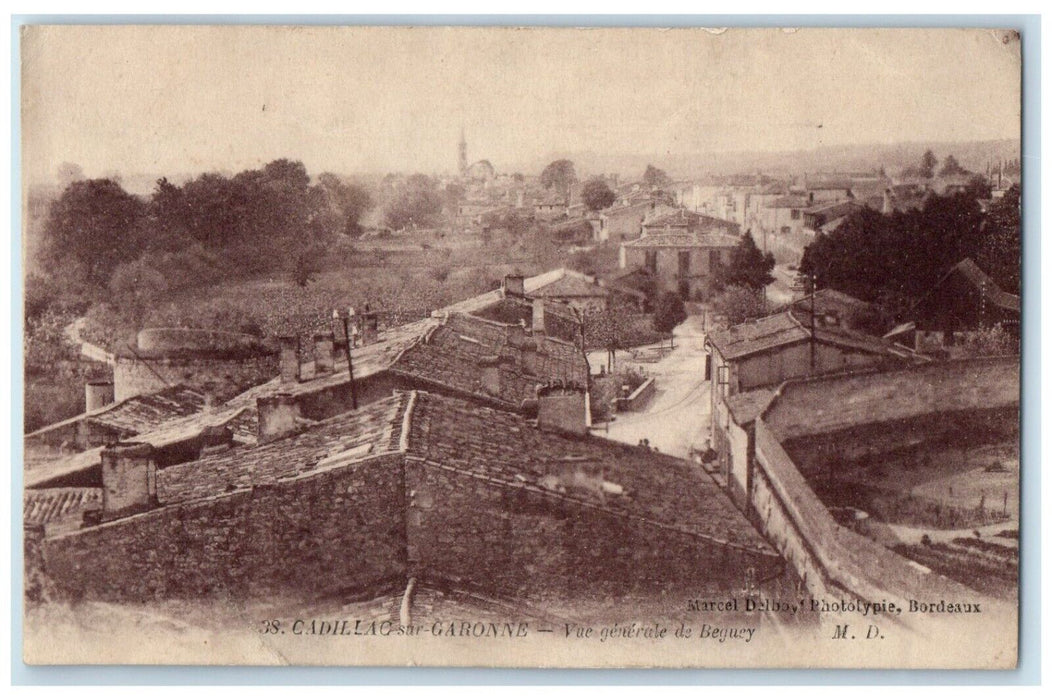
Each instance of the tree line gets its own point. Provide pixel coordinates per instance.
(892, 260)
(107, 242)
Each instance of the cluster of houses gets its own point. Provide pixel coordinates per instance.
(830, 333)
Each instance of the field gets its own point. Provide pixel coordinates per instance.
(953, 509)
(948, 488)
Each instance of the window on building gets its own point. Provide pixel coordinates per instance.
(684, 263)
(684, 290)
(794, 214)
(651, 261)
(714, 261)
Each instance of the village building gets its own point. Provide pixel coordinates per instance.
(827, 217)
(683, 221)
(963, 301)
(623, 223)
(438, 489)
(784, 214)
(495, 348)
(583, 293)
(684, 263)
(551, 206)
(788, 345)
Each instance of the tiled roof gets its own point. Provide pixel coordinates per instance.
(831, 185)
(453, 357)
(994, 294)
(827, 300)
(42, 506)
(695, 222)
(142, 413)
(835, 210)
(480, 442)
(137, 414)
(371, 430)
(745, 406)
(684, 240)
(507, 448)
(790, 327)
(568, 283)
(172, 432)
(751, 337)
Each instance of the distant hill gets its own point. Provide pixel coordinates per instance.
(973, 155)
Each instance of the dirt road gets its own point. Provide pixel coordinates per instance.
(679, 411)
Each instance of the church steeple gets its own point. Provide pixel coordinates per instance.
(462, 152)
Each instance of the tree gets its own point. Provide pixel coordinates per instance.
(950, 168)
(416, 202)
(739, 304)
(135, 288)
(350, 202)
(999, 254)
(669, 312)
(892, 260)
(748, 267)
(559, 175)
(609, 329)
(928, 163)
(596, 194)
(655, 178)
(993, 341)
(305, 267)
(93, 227)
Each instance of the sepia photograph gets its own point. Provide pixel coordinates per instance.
(531, 347)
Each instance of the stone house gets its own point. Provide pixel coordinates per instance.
(684, 263)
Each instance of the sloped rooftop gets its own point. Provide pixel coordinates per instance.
(137, 414)
(479, 442)
(684, 240)
(371, 430)
(48, 505)
(567, 283)
(508, 448)
(793, 326)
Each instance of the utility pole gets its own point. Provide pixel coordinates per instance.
(347, 347)
(812, 323)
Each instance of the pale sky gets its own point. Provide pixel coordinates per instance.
(192, 99)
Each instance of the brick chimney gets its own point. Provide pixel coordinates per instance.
(324, 344)
(561, 407)
(538, 316)
(128, 479)
(278, 414)
(290, 358)
(370, 327)
(513, 286)
(97, 394)
(215, 439)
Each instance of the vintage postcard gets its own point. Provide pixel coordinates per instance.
(526, 347)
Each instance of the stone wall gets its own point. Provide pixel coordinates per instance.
(794, 361)
(315, 535)
(520, 540)
(824, 405)
(224, 377)
(638, 399)
(835, 560)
